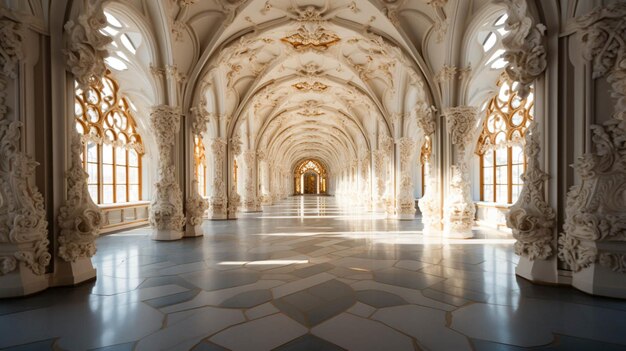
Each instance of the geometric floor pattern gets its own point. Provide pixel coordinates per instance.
(310, 274)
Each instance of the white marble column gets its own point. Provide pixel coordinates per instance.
(166, 210)
(196, 205)
(379, 174)
(430, 203)
(365, 188)
(80, 219)
(264, 178)
(459, 209)
(218, 203)
(251, 201)
(406, 202)
(234, 199)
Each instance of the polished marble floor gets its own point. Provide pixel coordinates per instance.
(310, 273)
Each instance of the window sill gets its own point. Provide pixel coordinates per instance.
(124, 205)
(497, 205)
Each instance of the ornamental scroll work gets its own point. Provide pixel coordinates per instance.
(86, 45)
(531, 218)
(23, 225)
(197, 205)
(166, 210)
(525, 52)
(595, 208)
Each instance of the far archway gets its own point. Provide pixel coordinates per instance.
(310, 177)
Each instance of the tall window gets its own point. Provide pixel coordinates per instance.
(113, 148)
(500, 145)
(200, 162)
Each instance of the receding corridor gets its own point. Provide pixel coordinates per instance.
(310, 274)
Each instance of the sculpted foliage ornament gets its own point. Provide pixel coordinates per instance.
(196, 205)
(218, 201)
(80, 219)
(200, 120)
(425, 116)
(86, 45)
(595, 208)
(531, 218)
(406, 202)
(10, 46)
(603, 44)
(461, 122)
(22, 216)
(525, 53)
(460, 210)
(166, 210)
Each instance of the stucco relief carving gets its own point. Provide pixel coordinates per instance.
(80, 219)
(595, 208)
(429, 204)
(23, 225)
(22, 216)
(460, 210)
(86, 45)
(461, 122)
(379, 170)
(166, 210)
(250, 199)
(10, 48)
(365, 182)
(525, 52)
(197, 205)
(218, 202)
(531, 218)
(406, 201)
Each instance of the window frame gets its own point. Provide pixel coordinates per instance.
(514, 132)
(101, 132)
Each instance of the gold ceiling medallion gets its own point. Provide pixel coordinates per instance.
(306, 86)
(318, 39)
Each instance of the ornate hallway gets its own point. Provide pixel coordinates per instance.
(310, 273)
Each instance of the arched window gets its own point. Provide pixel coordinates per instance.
(200, 162)
(501, 144)
(113, 148)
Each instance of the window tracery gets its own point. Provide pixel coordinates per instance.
(113, 146)
(489, 40)
(501, 143)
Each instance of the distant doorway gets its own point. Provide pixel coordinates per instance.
(311, 183)
(310, 178)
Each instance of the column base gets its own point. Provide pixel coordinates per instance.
(72, 273)
(166, 234)
(432, 232)
(21, 282)
(599, 280)
(537, 271)
(458, 234)
(194, 231)
(405, 217)
(217, 216)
